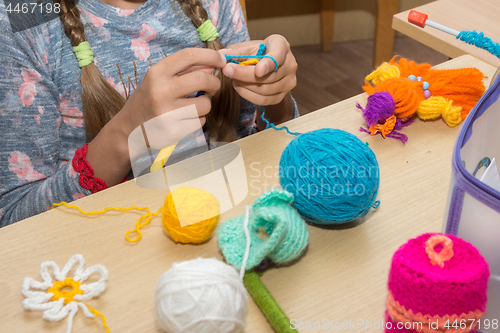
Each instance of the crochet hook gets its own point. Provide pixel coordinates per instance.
(420, 19)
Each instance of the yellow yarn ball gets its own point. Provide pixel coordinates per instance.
(190, 215)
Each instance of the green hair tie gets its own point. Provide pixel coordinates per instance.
(207, 31)
(84, 54)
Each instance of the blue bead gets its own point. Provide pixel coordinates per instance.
(419, 78)
(426, 85)
(412, 77)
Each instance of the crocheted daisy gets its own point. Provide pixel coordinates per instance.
(62, 296)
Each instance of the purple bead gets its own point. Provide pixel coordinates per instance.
(412, 77)
(426, 85)
(427, 93)
(419, 78)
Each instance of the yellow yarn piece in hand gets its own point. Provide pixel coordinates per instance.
(190, 215)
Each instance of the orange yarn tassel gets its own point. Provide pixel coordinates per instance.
(464, 86)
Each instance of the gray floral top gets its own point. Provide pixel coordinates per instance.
(40, 105)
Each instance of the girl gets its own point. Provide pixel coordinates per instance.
(107, 67)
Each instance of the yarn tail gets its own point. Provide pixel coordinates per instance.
(95, 312)
(268, 124)
(267, 304)
(138, 225)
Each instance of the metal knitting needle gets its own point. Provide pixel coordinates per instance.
(420, 19)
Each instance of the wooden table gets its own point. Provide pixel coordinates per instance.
(342, 276)
(479, 15)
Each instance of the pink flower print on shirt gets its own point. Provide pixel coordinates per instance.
(27, 90)
(238, 23)
(41, 109)
(71, 171)
(37, 119)
(70, 111)
(96, 20)
(77, 196)
(124, 12)
(214, 11)
(20, 164)
(45, 58)
(139, 45)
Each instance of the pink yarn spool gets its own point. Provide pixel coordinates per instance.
(435, 278)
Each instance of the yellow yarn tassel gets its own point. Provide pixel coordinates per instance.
(436, 106)
(384, 72)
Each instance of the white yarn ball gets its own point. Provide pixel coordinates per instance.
(201, 295)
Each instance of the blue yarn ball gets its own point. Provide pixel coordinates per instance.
(333, 175)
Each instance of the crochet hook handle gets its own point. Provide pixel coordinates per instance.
(420, 19)
(162, 157)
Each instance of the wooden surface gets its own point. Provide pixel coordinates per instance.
(342, 276)
(479, 15)
(384, 34)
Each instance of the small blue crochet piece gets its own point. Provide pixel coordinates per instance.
(480, 40)
(277, 232)
(260, 55)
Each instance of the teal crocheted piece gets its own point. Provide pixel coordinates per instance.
(277, 232)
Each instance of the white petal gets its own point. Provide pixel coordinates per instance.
(70, 319)
(44, 271)
(103, 272)
(86, 310)
(76, 259)
(93, 289)
(60, 311)
(38, 304)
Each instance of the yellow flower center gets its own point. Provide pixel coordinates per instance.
(60, 290)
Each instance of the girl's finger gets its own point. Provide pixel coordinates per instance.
(257, 98)
(192, 83)
(185, 59)
(278, 48)
(264, 89)
(247, 74)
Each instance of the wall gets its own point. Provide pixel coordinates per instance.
(298, 20)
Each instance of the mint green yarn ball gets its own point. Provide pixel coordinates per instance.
(277, 232)
(333, 175)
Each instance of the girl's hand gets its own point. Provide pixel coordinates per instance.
(261, 84)
(159, 105)
(168, 82)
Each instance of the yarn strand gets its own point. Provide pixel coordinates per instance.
(148, 216)
(247, 235)
(98, 314)
(268, 124)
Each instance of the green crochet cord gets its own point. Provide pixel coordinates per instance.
(267, 304)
